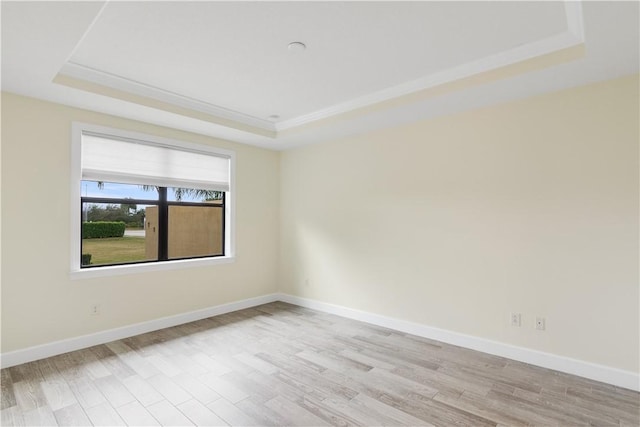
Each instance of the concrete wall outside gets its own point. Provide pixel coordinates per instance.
(193, 231)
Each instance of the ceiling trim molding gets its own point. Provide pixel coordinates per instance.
(573, 36)
(82, 72)
(575, 21)
(86, 31)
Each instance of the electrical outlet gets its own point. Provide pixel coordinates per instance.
(515, 319)
(94, 310)
(307, 283)
(540, 323)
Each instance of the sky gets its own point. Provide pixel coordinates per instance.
(90, 189)
(110, 189)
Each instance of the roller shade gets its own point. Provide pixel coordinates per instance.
(139, 162)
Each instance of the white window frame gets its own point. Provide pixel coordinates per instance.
(76, 272)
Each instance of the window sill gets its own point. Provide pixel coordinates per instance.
(118, 270)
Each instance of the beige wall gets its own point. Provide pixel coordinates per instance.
(40, 304)
(530, 206)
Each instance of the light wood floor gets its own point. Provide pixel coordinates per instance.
(279, 364)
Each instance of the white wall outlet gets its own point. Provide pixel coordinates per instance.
(516, 319)
(307, 283)
(540, 323)
(94, 310)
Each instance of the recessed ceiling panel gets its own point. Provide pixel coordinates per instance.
(234, 54)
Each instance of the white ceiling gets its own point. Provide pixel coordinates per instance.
(222, 68)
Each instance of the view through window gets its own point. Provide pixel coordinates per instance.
(121, 223)
(149, 200)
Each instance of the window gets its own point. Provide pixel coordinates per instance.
(143, 202)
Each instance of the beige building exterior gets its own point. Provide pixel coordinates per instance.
(193, 231)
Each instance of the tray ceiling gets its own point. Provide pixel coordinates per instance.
(226, 65)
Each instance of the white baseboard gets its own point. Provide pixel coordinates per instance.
(30, 354)
(618, 377)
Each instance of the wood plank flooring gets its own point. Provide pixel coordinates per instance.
(279, 364)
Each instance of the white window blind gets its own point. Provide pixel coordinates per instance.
(112, 159)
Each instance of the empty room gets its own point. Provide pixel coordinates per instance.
(320, 213)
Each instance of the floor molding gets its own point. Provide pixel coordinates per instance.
(606, 374)
(30, 354)
(617, 377)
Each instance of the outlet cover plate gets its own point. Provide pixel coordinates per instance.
(516, 319)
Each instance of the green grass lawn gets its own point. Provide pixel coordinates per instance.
(114, 250)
